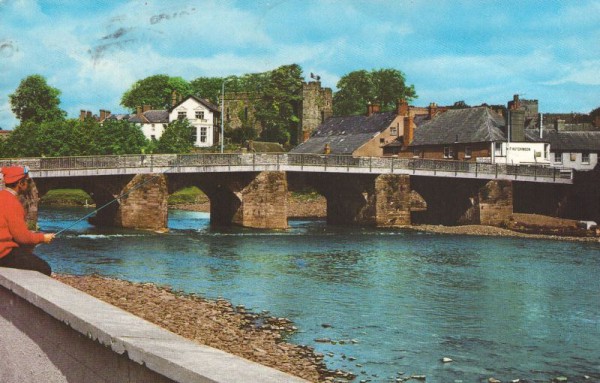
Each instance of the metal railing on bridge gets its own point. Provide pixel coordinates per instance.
(296, 162)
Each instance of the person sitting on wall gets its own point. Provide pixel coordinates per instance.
(16, 241)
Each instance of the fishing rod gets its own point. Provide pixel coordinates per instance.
(113, 201)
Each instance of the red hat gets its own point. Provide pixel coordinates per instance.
(14, 173)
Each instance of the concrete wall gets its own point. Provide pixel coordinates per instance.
(54, 333)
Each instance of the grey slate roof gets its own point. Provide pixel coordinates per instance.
(345, 134)
(157, 116)
(202, 101)
(567, 140)
(461, 126)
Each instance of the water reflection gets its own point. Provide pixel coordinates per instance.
(498, 307)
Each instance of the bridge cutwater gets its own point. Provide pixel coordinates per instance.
(251, 189)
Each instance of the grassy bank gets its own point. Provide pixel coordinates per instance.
(187, 196)
(66, 197)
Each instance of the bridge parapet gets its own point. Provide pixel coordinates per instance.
(194, 163)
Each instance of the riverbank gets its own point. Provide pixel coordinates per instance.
(215, 323)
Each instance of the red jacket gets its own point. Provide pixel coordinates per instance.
(13, 229)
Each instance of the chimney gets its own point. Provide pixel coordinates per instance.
(432, 110)
(88, 114)
(402, 107)
(372, 108)
(559, 125)
(138, 112)
(106, 113)
(102, 114)
(327, 149)
(81, 115)
(174, 98)
(409, 130)
(147, 108)
(515, 104)
(305, 135)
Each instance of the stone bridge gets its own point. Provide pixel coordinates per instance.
(251, 189)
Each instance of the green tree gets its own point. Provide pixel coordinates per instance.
(156, 91)
(60, 138)
(382, 86)
(118, 137)
(278, 107)
(208, 88)
(36, 101)
(23, 141)
(177, 138)
(595, 113)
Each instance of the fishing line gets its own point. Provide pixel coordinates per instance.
(113, 201)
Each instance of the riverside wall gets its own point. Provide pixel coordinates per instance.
(54, 333)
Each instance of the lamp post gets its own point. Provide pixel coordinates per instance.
(222, 137)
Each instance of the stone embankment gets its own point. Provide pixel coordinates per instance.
(215, 323)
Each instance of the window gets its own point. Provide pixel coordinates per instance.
(181, 115)
(585, 157)
(194, 135)
(446, 152)
(467, 152)
(416, 153)
(382, 140)
(202, 134)
(498, 148)
(573, 157)
(200, 115)
(153, 137)
(394, 131)
(558, 157)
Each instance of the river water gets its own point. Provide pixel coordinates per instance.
(399, 301)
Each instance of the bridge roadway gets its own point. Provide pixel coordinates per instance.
(285, 162)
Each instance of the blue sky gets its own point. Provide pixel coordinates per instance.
(476, 51)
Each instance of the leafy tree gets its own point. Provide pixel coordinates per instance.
(382, 86)
(156, 91)
(595, 113)
(242, 134)
(460, 105)
(177, 138)
(118, 137)
(278, 108)
(60, 138)
(36, 101)
(208, 88)
(23, 141)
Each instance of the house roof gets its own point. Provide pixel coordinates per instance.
(566, 140)
(470, 125)
(199, 100)
(345, 134)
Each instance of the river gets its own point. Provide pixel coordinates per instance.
(393, 302)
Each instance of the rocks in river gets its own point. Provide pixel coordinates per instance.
(326, 325)
(560, 379)
(447, 360)
(323, 340)
(493, 380)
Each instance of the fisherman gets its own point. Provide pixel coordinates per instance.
(16, 241)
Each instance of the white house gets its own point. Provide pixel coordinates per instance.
(578, 150)
(202, 115)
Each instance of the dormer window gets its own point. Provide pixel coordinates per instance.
(181, 115)
(200, 115)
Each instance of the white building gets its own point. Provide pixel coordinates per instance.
(202, 115)
(578, 150)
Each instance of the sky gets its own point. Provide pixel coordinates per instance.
(478, 51)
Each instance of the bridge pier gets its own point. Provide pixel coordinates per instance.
(145, 204)
(255, 200)
(464, 202)
(371, 200)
